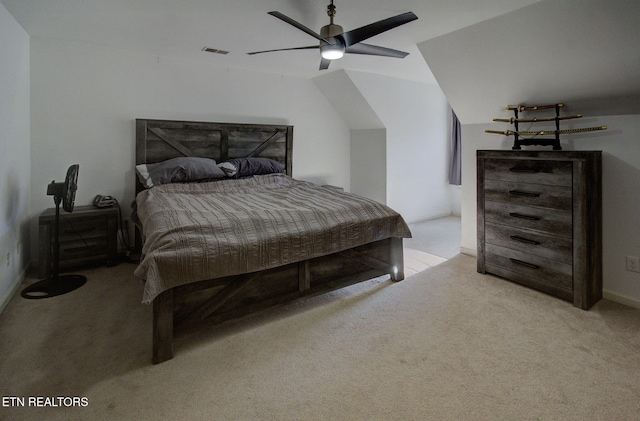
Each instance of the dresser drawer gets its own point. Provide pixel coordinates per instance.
(551, 221)
(537, 283)
(535, 267)
(529, 194)
(554, 173)
(532, 242)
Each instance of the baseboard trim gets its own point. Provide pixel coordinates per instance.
(469, 252)
(431, 218)
(621, 299)
(4, 301)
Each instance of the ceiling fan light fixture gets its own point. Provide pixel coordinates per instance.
(332, 51)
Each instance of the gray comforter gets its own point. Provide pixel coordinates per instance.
(199, 231)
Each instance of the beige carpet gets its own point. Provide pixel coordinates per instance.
(445, 343)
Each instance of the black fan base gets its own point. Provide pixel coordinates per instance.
(51, 287)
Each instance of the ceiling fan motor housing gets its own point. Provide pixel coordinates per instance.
(329, 31)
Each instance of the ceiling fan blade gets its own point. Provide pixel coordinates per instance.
(374, 50)
(284, 49)
(298, 25)
(324, 64)
(360, 34)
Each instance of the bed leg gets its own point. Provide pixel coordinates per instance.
(397, 259)
(163, 327)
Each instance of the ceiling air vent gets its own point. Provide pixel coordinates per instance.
(214, 50)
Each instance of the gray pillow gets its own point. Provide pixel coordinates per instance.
(178, 170)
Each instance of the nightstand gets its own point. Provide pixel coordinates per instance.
(87, 235)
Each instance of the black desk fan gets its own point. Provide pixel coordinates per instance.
(64, 193)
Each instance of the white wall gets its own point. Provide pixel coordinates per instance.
(85, 100)
(400, 141)
(620, 188)
(456, 200)
(369, 164)
(416, 119)
(14, 153)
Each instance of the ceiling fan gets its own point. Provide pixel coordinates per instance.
(334, 42)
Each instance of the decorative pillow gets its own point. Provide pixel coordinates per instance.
(229, 169)
(246, 167)
(178, 170)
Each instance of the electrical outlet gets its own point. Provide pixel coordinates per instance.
(8, 259)
(633, 264)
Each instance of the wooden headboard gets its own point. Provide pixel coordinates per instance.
(159, 140)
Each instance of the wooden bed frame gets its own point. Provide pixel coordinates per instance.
(214, 301)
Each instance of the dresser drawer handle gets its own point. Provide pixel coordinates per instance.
(524, 170)
(524, 240)
(523, 193)
(521, 216)
(521, 263)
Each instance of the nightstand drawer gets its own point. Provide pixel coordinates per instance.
(535, 267)
(532, 242)
(554, 173)
(552, 221)
(528, 194)
(78, 249)
(82, 229)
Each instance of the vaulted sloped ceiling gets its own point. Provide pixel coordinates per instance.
(180, 29)
(347, 99)
(484, 54)
(584, 53)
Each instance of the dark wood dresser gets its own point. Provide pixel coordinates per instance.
(540, 221)
(88, 234)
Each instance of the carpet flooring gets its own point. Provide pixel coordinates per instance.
(446, 343)
(440, 237)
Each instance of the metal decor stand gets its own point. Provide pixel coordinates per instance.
(532, 137)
